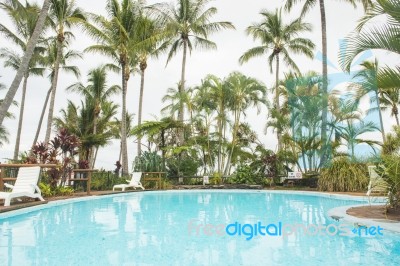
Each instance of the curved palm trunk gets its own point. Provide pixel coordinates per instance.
(124, 148)
(21, 118)
(278, 106)
(41, 117)
(53, 92)
(25, 61)
(142, 68)
(324, 84)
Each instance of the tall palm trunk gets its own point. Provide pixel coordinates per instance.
(41, 117)
(143, 66)
(163, 149)
(124, 148)
(21, 118)
(395, 112)
(234, 139)
(324, 84)
(25, 61)
(220, 125)
(120, 152)
(278, 106)
(95, 157)
(92, 149)
(181, 114)
(53, 91)
(380, 116)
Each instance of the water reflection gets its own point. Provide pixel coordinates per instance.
(152, 229)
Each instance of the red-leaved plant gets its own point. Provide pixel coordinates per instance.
(61, 151)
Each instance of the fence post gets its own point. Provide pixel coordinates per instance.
(2, 175)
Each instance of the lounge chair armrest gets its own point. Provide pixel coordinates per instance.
(8, 185)
(128, 181)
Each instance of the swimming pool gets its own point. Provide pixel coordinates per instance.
(189, 228)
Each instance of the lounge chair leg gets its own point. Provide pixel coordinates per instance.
(7, 202)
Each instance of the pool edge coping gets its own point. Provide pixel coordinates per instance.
(341, 214)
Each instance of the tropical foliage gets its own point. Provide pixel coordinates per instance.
(203, 127)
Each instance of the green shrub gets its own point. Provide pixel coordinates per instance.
(46, 190)
(64, 191)
(344, 175)
(216, 179)
(389, 169)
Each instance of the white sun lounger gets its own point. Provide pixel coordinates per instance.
(133, 183)
(376, 182)
(25, 185)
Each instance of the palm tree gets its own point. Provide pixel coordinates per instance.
(390, 98)
(305, 102)
(244, 92)
(48, 60)
(217, 91)
(79, 121)
(97, 92)
(146, 32)
(352, 132)
(188, 25)
(280, 39)
(116, 39)
(384, 37)
(158, 128)
(176, 99)
(63, 15)
(30, 47)
(368, 37)
(367, 83)
(308, 4)
(24, 23)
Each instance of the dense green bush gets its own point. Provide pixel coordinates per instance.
(182, 166)
(344, 175)
(148, 162)
(245, 174)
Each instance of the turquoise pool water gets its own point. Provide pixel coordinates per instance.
(169, 228)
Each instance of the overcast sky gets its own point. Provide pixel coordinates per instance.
(341, 19)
